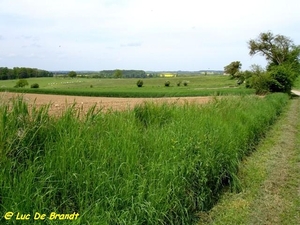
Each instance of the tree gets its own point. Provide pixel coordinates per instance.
(4, 73)
(72, 74)
(21, 83)
(233, 69)
(282, 56)
(140, 83)
(118, 74)
(276, 48)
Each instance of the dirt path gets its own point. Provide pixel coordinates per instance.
(59, 102)
(296, 92)
(275, 201)
(270, 180)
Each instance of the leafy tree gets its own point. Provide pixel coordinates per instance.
(282, 56)
(140, 83)
(4, 73)
(118, 74)
(72, 74)
(233, 69)
(276, 48)
(21, 83)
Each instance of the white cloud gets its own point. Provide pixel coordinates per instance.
(148, 34)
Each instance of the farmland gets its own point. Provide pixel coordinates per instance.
(153, 87)
(155, 164)
(146, 164)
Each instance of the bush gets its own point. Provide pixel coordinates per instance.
(282, 79)
(260, 83)
(21, 83)
(185, 83)
(35, 85)
(167, 83)
(140, 83)
(278, 78)
(178, 83)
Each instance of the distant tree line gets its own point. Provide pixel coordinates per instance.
(121, 73)
(22, 72)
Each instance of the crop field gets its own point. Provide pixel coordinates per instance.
(153, 87)
(154, 164)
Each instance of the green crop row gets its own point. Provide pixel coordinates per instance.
(156, 164)
(150, 93)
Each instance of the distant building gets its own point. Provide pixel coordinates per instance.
(167, 75)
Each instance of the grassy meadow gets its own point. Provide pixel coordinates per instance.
(155, 164)
(153, 87)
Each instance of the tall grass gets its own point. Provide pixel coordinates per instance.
(156, 164)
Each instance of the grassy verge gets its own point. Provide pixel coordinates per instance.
(269, 180)
(156, 164)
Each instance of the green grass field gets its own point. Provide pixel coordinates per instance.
(156, 164)
(153, 87)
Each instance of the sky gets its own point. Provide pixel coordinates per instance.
(150, 35)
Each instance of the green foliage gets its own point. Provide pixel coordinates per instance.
(125, 73)
(258, 79)
(282, 79)
(118, 74)
(283, 61)
(178, 83)
(276, 48)
(185, 83)
(140, 83)
(35, 85)
(277, 79)
(21, 83)
(167, 83)
(21, 73)
(72, 74)
(296, 84)
(233, 69)
(157, 164)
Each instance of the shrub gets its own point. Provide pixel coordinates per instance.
(178, 83)
(282, 79)
(185, 83)
(35, 85)
(139, 83)
(167, 83)
(260, 83)
(21, 83)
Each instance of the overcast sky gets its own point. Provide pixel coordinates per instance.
(139, 34)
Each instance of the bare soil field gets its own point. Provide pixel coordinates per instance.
(58, 103)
